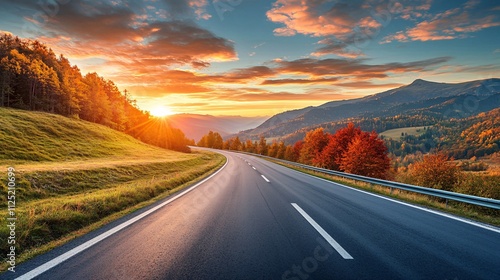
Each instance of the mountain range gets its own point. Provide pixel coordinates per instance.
(195, 126)
(440, 101)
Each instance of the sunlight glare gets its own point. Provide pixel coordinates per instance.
(161, 111)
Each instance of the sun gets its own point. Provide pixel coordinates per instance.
(161, 111)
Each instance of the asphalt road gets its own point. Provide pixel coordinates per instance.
(258, 220)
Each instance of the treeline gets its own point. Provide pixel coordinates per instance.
(348, 150)
(465, 138)
(377, 124)
(474, 136)
(33, 78)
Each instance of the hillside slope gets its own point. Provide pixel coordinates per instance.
(440, 100)
(38, 136)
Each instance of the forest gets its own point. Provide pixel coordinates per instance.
(463, 138)
(33, 78)
(348, 150)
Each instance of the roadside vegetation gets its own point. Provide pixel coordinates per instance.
(73, 176)
(355, 151)
(481, 214)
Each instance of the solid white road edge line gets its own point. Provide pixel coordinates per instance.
(323, 233)
(54, 262)
(265, 178)
(460, 219)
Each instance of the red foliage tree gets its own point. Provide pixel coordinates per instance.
(338, 143)
(314, 143)
(366, 155)
(293, 153)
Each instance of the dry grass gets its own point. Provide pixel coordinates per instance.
(396, 133)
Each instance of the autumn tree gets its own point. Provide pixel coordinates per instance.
(366, 155)
(262, 146)
(435, 171)
(338, 143)
(249, 146)
(211, 140)
(294, 154)
(236, 144)
(281, 150)
(289, 154)
(272, 150)
(314, 143)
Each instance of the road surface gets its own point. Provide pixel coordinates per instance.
(258, 220)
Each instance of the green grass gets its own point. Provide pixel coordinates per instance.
(396, 133)
(73, 176)
(36, 136)
(481, 214)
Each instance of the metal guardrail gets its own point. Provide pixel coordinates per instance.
(465, 198)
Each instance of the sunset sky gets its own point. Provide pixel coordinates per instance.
(256, 58)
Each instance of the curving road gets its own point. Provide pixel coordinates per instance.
(258, 220)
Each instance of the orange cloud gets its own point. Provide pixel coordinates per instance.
(343, 24)
(451, 24)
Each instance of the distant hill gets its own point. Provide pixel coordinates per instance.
(435, 100)
(38, 136)
(195, 126)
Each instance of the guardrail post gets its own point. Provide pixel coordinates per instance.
(391, 190)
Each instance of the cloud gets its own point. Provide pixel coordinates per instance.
(138, 51)
(450, 24)
(126, 34)
(354, 68)
(344, 25)
(259, 95)
(368, 85)
(181, 10)
(300, 81)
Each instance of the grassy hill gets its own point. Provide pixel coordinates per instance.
(73, 176)
(37, 136)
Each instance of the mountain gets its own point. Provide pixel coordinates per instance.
(195, 126)
(439, 100)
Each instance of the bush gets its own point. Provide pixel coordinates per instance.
(436, 171)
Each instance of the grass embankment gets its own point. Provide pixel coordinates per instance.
(73, 176)
(481, 214)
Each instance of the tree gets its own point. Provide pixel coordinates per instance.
(281, 150)
(289, 153)
(262, 146)
(314, 143)
(366, 155)
(297, 147)
(435, 171)
(338, 143)
(218, 141)
(236, 144)
(249, 146)
(9, 68)
(273, 149)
